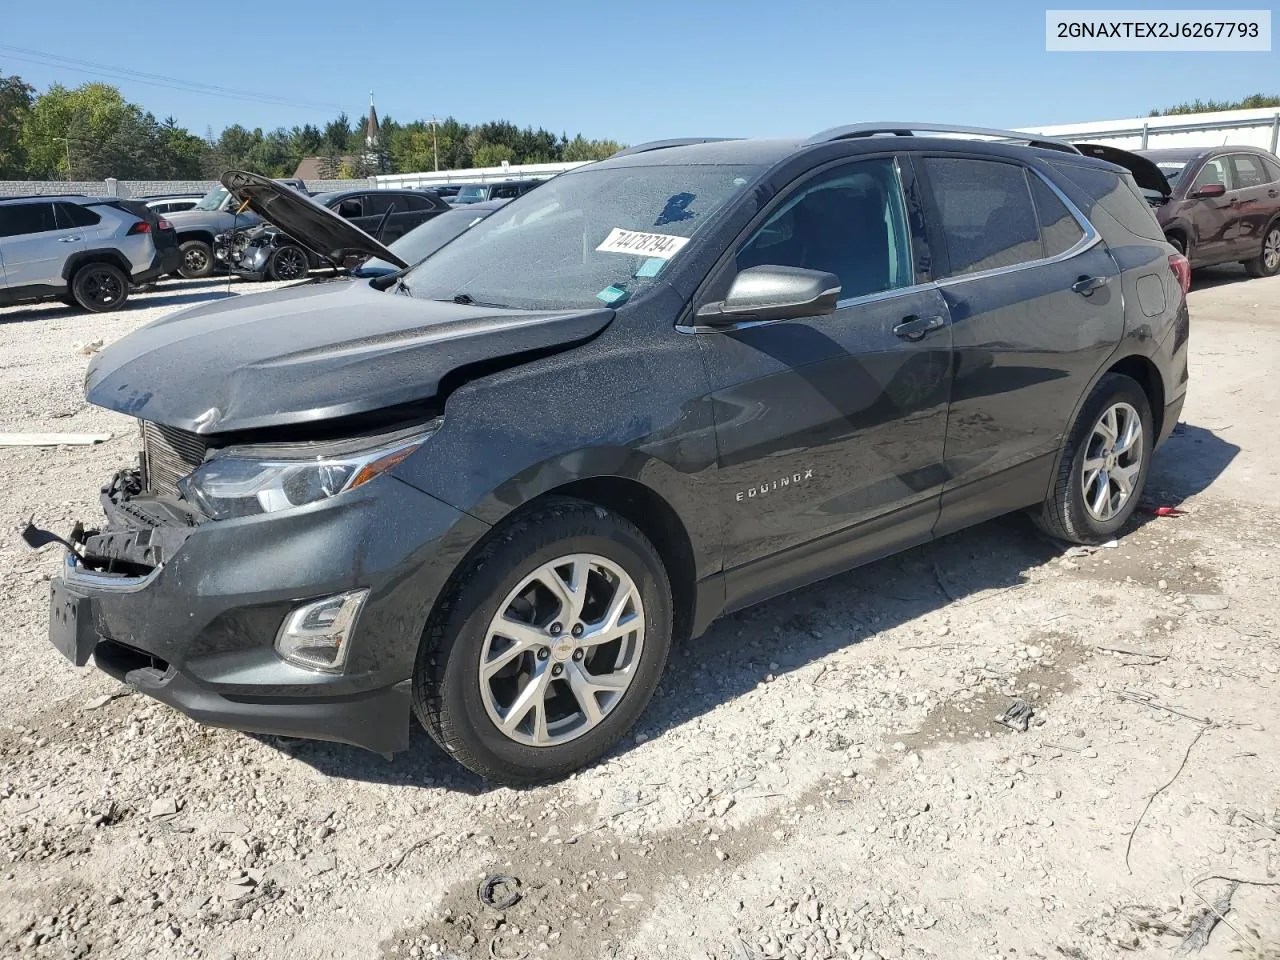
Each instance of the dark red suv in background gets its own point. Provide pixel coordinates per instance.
(1223, 205)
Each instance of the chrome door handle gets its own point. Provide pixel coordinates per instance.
(916, 328)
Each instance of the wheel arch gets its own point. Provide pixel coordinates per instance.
(1136, 366)
(643, 490)
(203, 235)
(85, 257)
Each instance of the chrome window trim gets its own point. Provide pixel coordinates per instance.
(75, 574)
(1090, 239)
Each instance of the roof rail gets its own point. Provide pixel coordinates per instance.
(664, 144)
(46, 196)
(854, 130)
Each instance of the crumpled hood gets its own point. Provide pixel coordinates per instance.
(310, 353)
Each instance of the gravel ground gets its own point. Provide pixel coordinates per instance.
(820, 776)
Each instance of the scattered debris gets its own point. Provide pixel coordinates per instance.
(92, 347)
(1204, 921)
(52, 439)
(106, 698)
(489, 886)
(1151, 799)
(1017, 716)
(1149, 700)
(163, 807)
(1133, 653)
(1163, 511)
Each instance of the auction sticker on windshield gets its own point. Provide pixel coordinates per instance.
(661, 245)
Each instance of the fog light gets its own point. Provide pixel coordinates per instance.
(316, 635)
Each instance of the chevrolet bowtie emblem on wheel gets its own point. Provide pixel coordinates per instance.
(769, 486)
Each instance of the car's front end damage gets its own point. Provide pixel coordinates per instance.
(269, 616)
(271, 562)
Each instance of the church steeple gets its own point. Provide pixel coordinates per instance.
(372, 133)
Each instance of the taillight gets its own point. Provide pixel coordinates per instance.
(164, 224)
(140, 227)
(1181, 268)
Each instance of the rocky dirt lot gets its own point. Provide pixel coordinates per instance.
(820, 776)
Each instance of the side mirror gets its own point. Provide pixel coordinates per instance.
(1208, 191)
(774, 293)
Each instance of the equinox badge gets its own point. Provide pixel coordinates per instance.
(771, 485)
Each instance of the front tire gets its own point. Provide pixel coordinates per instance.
(1104, 464)
(197, 259)
(288, 263)
(99, 287)
(1266, 263)
(547, 647)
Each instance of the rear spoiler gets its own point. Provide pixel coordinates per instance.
(1145, 173)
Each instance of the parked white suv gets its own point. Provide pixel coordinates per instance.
(85, 251)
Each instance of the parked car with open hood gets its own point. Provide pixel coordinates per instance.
(217, 212)
(267, 252)
(493, 488)
(1222, 205)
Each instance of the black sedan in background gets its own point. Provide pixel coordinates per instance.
(268, 253)
(421, 242)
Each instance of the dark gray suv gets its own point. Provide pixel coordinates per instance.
(492, 488)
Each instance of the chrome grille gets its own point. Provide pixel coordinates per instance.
(168, 456)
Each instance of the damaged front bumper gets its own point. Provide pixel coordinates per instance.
(188, 612)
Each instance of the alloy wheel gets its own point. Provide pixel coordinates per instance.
(290, 263)
(1271, 251)
(562, 650)
(102, 287)
(195, 260)
(1112, 461)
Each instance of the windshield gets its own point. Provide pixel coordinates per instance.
(421, 242)
(591, 237)
(213, 200)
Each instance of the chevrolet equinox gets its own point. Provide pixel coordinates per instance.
(491, 489)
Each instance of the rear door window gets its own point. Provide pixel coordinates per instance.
(73, 215)
(1248, 171)
(850, 221)
(23, 219)
(1118, 196)
(986, 214)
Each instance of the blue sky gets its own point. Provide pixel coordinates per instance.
(630, 71)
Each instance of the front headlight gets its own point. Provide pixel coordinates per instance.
(244, 481)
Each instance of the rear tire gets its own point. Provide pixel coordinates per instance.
(1266, 263)
(1100, 478)
(1177, 244)
(525, 578)
(99, 287)
(197, 259)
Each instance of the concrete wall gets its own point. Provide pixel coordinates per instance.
(143, 188)
(1257, 128)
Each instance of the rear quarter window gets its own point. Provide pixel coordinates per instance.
(1117, 194)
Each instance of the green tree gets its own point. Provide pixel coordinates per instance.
(15, 103)
(66, 128)
(580, 148)
(1254, 101)
(492, 154)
